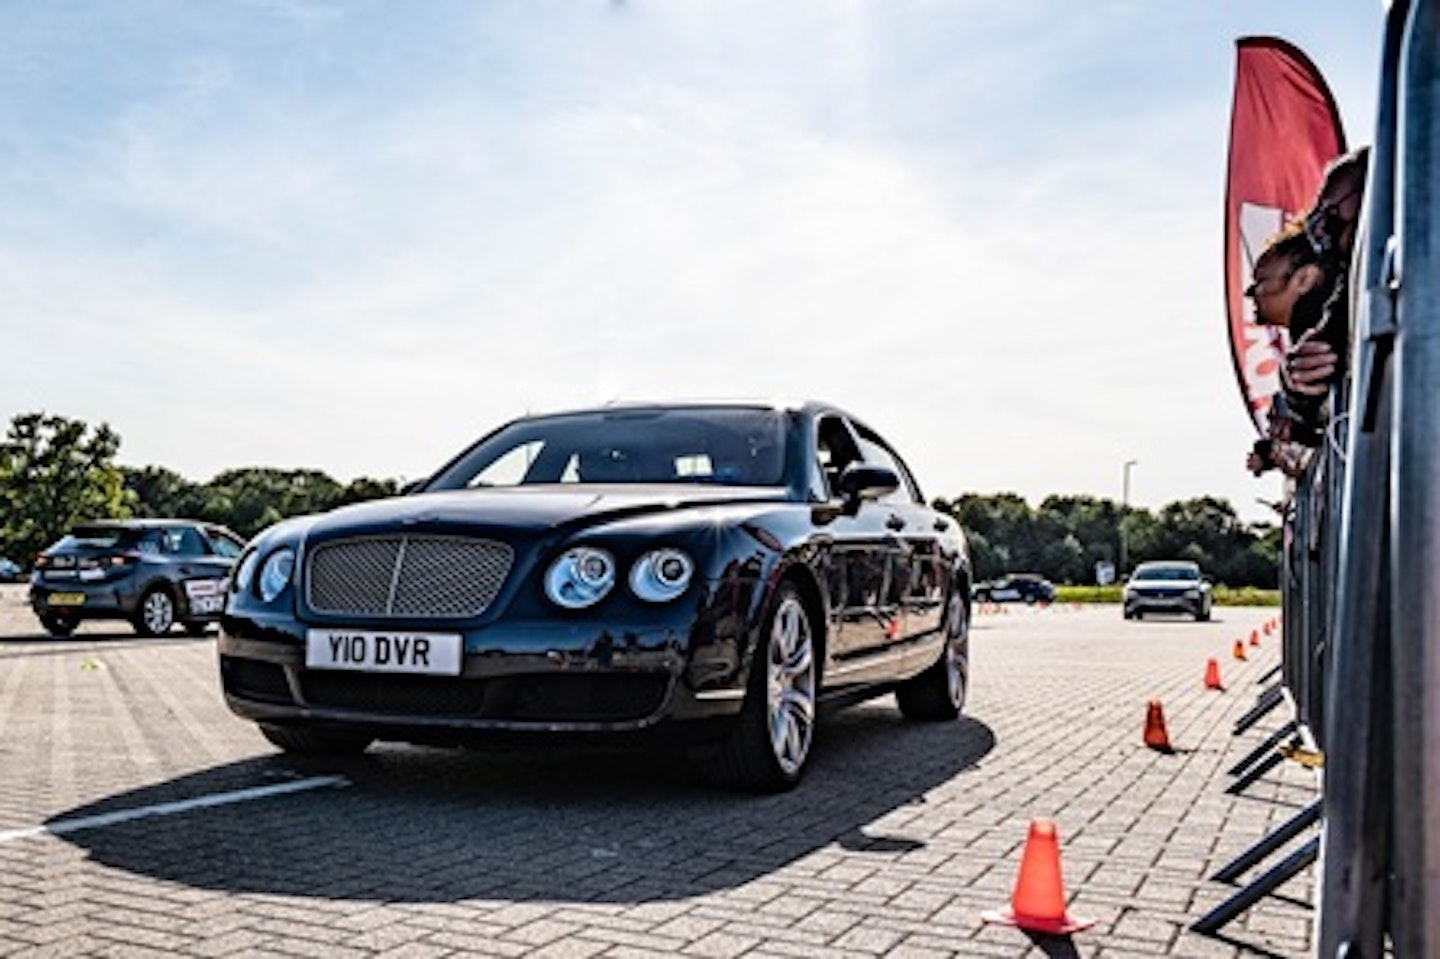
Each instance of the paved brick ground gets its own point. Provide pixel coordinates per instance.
(897, 841)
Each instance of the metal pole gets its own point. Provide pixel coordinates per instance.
(1124, 518)
(1415, 513)
(1216, 919)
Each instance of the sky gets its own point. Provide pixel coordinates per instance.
(353, 236)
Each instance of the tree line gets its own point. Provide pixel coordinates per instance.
(55, 472)
(1066, 536)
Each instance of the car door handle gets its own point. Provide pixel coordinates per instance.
(895, 522)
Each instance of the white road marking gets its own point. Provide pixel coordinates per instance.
(62, 826)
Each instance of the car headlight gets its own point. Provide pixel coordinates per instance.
(580, 577)
(661, 575)
(244, 573)
(275, 574)
(1192, 594)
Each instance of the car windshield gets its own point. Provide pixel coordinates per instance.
(730, 446)
(1175, 573)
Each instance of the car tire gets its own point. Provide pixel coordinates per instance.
(1029, 599)
(61, 627)
(1203, 615)
(315, 742)
(938, 694)
(155, 613)
(770, 743)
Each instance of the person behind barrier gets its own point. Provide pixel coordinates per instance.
(1317, 357)
(1287, 283)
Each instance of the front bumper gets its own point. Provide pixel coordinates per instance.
(1189, 605)
(535, 677)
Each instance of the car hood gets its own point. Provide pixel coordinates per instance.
(528, 507)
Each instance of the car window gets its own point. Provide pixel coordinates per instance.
(100, 537)
(1168, 573)
(224, 545)
(878, 453)
(835, 449)
(509, 468)
(181, 541)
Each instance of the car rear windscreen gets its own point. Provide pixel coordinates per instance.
(100, 537)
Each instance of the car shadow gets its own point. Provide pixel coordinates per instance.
(559, 824)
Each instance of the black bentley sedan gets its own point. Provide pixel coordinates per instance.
(712, 572)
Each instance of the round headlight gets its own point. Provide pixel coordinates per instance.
(580, 577)
(244, 573)
(275, 573)
(661, 575)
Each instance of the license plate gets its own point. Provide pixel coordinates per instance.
(206, 605)
(66, 599)
(206, 596)
(436, 654)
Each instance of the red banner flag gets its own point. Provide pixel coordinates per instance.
(1284, 128)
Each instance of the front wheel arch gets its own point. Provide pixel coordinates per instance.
(746, 757)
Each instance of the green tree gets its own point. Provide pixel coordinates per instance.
(55, 472)
(163, 493)
(1067, 535)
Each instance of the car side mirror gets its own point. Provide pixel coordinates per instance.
(862, 481)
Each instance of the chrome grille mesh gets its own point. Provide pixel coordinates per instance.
(447, 577)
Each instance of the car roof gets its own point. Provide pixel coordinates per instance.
(779, 405)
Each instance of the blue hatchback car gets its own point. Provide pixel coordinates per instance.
(154, 573)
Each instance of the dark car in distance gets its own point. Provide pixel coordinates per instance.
(1168, 586)
(153, 572)
(1016, 588)
(712, 574)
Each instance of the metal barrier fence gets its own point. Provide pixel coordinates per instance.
(1361, 654)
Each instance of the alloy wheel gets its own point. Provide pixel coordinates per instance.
(791, 685)
(158, 612)
(957, 632)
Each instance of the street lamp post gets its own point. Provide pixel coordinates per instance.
(1124, 517)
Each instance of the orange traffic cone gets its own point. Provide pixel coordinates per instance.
(1038, 902)
(1155, 735)
(1254, 637)
(1239, 651)
(1269, 626)
(1212, 674)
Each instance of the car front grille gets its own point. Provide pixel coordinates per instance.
(425, 577)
